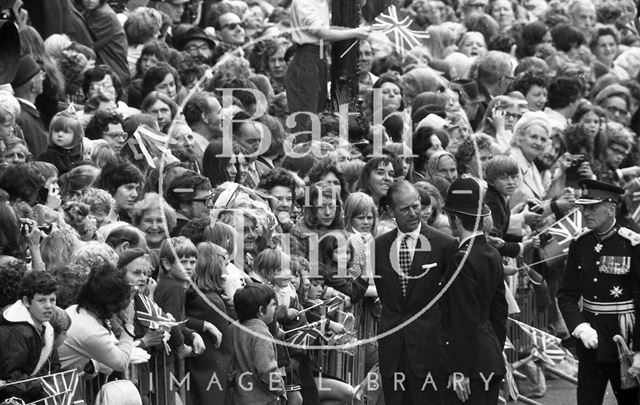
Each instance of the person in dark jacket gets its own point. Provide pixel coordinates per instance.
(409, 263)
(26, 337)
(27, 86)
(65, 142)
(111, 41)
(502, 176)
(475, 308)
(58, 17)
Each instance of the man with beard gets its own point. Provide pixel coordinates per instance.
(197, 45)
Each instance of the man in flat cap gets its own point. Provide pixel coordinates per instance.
(27, 86)
(475, 307)
(603, 270)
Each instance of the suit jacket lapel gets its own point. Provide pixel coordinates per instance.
(420, 258)
(394, 277)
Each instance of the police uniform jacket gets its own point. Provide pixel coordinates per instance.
(475, 310)
(603, 271)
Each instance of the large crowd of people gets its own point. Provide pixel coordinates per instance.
(178, 191)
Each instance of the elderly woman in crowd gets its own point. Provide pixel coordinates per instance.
(9, 111)
(530, 138)
(155, 218)
(443, 164)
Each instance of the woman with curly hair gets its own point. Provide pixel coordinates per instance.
(107, 125)
(274, 64)
(326, 173)
(11, 272)
(533, 84)
(90, 339)
(150, 216)
(471, 162)
(532, 37)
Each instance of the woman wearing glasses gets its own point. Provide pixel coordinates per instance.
(107, 125)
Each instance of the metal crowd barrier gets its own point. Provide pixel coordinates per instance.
(161, 381)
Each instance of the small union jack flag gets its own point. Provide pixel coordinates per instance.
(152, 316)
(333, 304)
(60, 388)
(547, 345)
(403, 37)
(563, 231)
(307, 337)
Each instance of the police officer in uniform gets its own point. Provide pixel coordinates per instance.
(603, 269)
(475, 307)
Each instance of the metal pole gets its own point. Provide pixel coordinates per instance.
(344, 65)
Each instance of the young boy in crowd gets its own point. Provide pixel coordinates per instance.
(502, 174)
(257, 378)
(27, 337)
(177, 264)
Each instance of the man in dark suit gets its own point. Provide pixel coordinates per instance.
(410, 262)
(475, 308)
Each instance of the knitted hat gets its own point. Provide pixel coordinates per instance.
(27, 69)
(533, 118)
(614, 90)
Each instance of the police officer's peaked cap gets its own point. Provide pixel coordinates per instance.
(594, 192)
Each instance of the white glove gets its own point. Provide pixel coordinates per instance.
(634, 370)
(587, 334)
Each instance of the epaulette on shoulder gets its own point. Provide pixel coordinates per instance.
(582, 233)
(628, 234)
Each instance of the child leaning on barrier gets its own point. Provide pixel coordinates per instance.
(256, 377)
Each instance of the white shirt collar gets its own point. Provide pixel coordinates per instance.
(413, 234)
(473, 235)
(27, 102)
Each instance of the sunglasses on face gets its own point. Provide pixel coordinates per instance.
(233, 26)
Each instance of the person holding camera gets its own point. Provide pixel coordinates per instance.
(607, 165)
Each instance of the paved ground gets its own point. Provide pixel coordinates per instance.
(560, 392)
